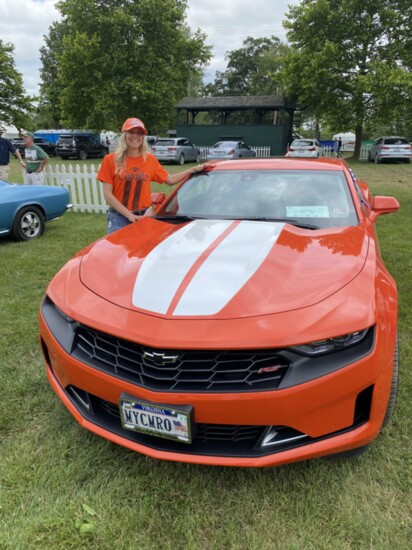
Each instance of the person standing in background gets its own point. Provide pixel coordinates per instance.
(36, 160)
(6, 147)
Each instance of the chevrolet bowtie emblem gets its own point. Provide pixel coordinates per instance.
(160, 358)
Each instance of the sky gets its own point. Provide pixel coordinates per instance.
(227, 24)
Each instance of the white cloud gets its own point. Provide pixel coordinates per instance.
(227, 24)
(23, 23)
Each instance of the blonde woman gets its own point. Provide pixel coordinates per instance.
(126, 175)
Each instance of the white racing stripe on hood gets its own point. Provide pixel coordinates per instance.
(228, 268)
(218, 278)
(164, 268)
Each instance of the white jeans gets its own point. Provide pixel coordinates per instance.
(4, 172)
(33, 178)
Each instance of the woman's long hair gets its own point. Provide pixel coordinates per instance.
(121, 152)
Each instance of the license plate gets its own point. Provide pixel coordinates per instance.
(155, 419)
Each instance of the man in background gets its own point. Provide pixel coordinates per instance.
(6, 147)
(36, 160)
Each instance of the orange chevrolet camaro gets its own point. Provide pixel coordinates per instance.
(247, 320)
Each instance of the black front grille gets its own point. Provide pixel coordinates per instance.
(180, 370)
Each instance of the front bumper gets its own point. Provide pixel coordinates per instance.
(330, 414)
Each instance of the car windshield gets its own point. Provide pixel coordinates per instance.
(224, 145)
(317, 198)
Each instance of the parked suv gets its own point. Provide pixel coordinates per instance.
(178, 150)
(390, 148)
(80, 145)
(47, 146)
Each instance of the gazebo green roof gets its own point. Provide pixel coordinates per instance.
(234, 102)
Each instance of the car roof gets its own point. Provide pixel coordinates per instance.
(279, 163)
(392, 137)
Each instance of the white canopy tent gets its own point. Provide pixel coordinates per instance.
(345, 136)
(11, 131)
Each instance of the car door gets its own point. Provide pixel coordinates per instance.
(318, 147)
(183, 148)
(243, 150)
(248, 151)
(191, 151)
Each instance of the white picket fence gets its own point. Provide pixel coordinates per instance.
(329, 151)
(86, 191)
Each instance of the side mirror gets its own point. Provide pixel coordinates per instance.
(158, 198)
(383, 205)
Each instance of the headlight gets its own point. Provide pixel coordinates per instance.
(331, 344)
(65, 317)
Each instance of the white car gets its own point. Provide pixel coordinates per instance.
(308, 148)
(390, 148)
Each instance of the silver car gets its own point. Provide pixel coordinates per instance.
(178, 150)
(309, 148)
(390, 148)
(230, 150)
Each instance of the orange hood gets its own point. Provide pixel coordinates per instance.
(222, 269)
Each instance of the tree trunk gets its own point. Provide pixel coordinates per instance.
(358, 142)
(317, 131)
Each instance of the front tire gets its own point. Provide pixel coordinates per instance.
(352, 453)
(394, 386)
(28, 224)
(377, 159)
(182, 159)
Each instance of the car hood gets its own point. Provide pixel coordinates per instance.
(225, 269)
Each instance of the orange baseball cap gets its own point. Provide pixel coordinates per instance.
(133, 123)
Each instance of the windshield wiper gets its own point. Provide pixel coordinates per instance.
(179, 218)
(296, 223)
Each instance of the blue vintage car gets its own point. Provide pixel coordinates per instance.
(24, 209)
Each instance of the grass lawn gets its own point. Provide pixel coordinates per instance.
(62, 487)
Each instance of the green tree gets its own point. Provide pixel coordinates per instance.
(49, 109)
(15, 105)
(125, 58)
(251, 70)
(349, 63)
